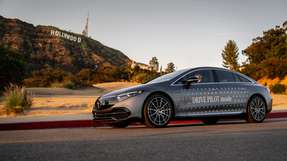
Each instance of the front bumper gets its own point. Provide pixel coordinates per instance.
(112, 114)
(130, 108)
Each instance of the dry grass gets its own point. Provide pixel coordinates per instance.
(279, 102)
(62, 105)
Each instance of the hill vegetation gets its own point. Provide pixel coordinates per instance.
(49, 56)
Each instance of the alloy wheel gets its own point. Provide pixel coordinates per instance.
(256, 111)
(159, 111)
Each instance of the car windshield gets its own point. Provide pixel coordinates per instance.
(167, 77)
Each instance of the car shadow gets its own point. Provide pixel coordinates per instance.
(195, 123)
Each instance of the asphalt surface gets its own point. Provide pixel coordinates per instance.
(231, 141)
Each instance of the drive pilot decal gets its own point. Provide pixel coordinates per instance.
(201, 100)
(214, 95)
(211, 99)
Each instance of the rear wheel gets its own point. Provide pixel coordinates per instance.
(256, 110)
(158, 111)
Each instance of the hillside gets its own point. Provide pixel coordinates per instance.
(44, 46)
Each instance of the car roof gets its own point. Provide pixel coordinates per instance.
(208, 67)
(218, 68)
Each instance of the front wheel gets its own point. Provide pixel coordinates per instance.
(157, 111)
(256, 110)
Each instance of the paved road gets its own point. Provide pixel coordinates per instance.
(231, 141)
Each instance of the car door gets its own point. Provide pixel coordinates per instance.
(193, 99)
(231, 92)
(243, 92)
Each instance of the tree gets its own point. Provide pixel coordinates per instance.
(230, 55)
(154, 64)
(170, 68)
(12, 67)
(267, 55)
(161, 72)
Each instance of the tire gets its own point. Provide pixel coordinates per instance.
(122, 124)
(158, 111)
(256, 110)
(210, 121)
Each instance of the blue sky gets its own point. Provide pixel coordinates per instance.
(189, 33)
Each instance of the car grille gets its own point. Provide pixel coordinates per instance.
(113, 114)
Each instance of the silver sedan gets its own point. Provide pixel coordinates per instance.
(205, 93)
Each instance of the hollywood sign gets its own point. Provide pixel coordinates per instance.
(66, 36)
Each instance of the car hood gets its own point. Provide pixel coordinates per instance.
(124, 90)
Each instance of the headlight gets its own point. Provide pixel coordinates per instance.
(127, 95)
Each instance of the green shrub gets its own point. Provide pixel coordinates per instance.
(17, 99)
(74, 83)
(70, 85)
(143, 77)
(58, 78)
(45, 77)
(57, 85)
(278, 88)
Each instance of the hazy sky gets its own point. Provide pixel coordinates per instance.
(187, 32)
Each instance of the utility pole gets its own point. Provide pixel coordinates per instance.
(86, 29)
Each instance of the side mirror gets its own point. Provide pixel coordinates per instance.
(190, 80)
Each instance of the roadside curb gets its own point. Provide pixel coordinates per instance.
(277, 114)
(91, 123)
(47, 125)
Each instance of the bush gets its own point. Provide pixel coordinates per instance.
(45, 77)
(70, 85)
(58, 78)
(278, 88)
(74, 83)
(56, 85)
(143, 77)
(12, 67)
(17, 99)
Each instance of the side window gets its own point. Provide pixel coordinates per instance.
(224, 76)
(205, 76)
(240, 78)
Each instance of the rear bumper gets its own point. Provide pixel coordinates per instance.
(269, 100)
(269, 105)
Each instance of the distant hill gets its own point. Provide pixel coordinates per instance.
(48, 45)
